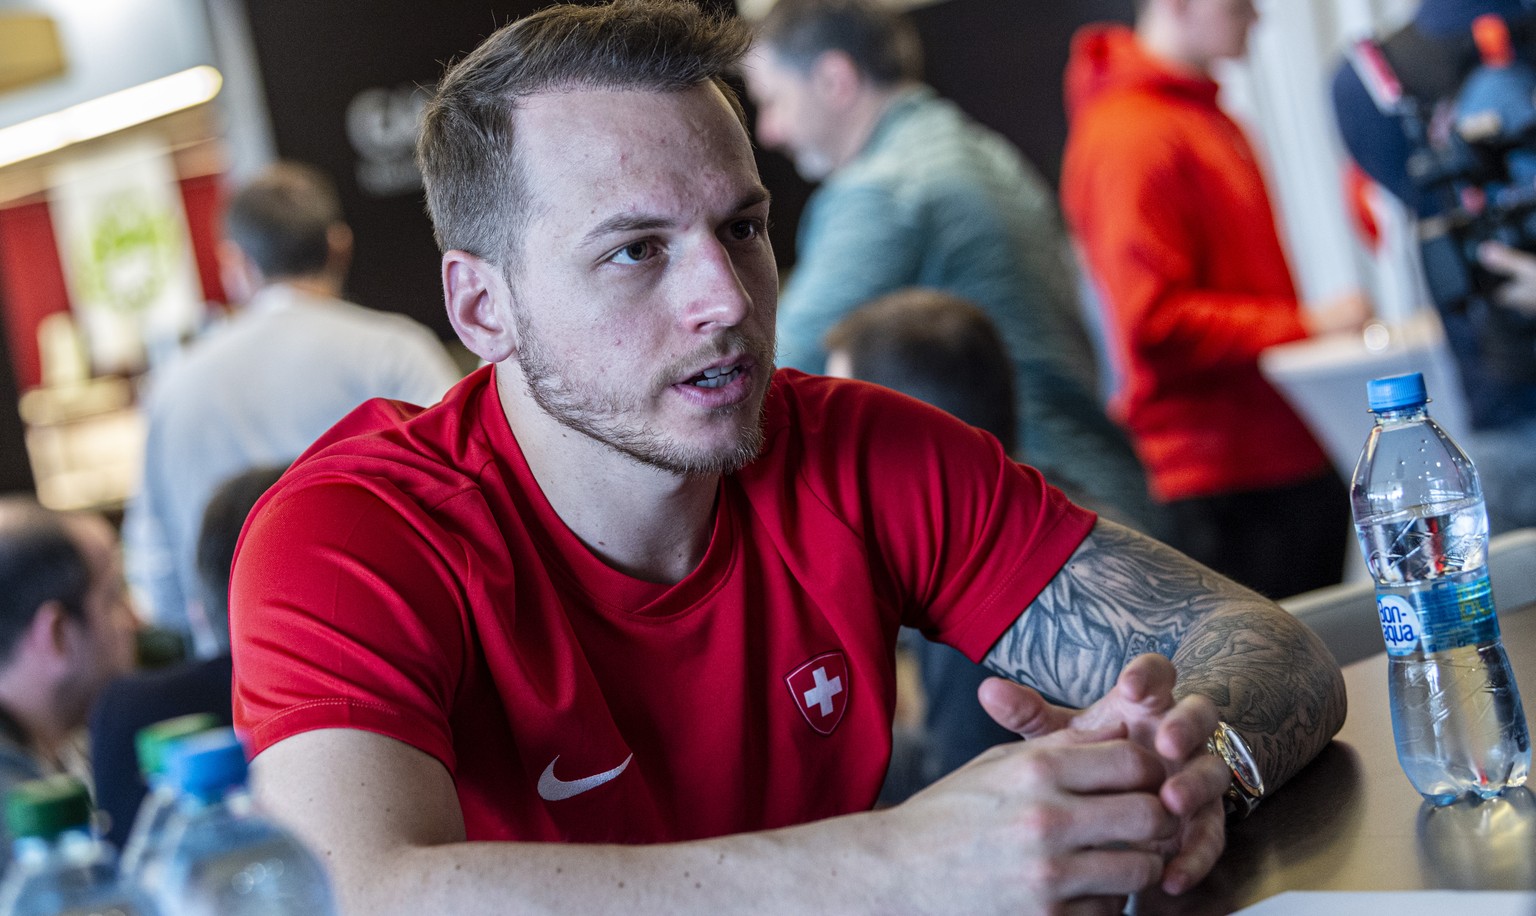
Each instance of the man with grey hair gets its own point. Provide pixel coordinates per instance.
(625, 601)
(916, 193)
(260, 388)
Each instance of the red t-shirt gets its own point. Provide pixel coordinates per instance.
(407, 577)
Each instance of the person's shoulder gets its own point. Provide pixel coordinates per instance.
(1128, 135)
(841, 446)
(804, 400)
(373, 324)
(204, 357)
(1134, 120)
(841, 417)
(430, 453)
(931, 140)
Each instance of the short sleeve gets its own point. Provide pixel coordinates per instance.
(967, 536)
(343, 615)
(1002, 534)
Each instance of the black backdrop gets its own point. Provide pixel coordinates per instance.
(329, 65)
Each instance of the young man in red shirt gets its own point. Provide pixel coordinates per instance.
(627, 585)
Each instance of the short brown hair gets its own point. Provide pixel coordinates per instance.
(475, 190)
(935, 347)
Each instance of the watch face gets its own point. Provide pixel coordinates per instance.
(1241, 761)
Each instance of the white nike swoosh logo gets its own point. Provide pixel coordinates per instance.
(552, 788)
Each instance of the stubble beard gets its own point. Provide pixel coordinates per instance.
(607, 417)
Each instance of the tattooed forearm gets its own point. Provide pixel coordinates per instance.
(1123, 594)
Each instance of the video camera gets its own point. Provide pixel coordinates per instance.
(1481, 203)
(1478, 166)
(1482, 177)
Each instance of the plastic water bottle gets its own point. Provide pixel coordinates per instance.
(1423, 527)
(143, 858)
(226, 859)
(59, 867)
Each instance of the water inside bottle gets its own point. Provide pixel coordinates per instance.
(1425, 542)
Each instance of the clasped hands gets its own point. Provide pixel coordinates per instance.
(1099, 803)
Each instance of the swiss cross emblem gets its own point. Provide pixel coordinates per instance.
(820, 688)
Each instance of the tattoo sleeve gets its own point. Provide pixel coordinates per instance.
(1122, 594)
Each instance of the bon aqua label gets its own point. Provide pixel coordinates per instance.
(1441, 615)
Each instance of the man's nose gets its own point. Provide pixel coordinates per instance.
(715, 295)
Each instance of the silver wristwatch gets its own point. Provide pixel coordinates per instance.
(1247, 787)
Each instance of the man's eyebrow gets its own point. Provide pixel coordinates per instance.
(758, 195)
(635, 222)
(624, 222)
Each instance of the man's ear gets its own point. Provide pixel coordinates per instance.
(479, 305)
(836, 78)
(48, 637)
(338, 246)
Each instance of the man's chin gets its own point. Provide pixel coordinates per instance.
(726, 458)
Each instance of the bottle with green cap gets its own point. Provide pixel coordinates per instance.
(1423, 527)
(59, 866)
(227, 859)
(156, 819)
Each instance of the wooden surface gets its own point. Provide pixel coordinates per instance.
(1352, 821)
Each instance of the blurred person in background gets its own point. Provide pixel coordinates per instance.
(66, 630)
(259, 389)
(1166, 198)
(197, 686)
(916, 193)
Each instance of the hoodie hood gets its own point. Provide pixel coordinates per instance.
(1107, 58)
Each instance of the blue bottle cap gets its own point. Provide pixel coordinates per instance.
(152, 743)
(1396, 392)
(209, 764)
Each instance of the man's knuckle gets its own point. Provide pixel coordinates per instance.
(1037, 769)
(1037, 824)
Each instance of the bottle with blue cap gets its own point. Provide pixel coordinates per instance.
(143, 861)
(226, 858)
(59, 866)
(1423, 527)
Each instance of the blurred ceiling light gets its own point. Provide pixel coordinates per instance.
(108, 114)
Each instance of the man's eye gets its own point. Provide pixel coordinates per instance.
(634, 253)
(744, 229)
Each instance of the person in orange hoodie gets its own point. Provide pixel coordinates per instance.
(1164, 194)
